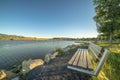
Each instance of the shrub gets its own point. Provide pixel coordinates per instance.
(60, 52)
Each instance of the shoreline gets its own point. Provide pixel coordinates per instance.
(14, 52)
(54, 68)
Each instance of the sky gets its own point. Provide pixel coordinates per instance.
(48, 18)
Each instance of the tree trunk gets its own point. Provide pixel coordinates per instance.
(110, 40)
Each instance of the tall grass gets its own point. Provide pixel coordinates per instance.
(111, 68)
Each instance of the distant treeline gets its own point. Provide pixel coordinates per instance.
(83, 39)
(15, 37)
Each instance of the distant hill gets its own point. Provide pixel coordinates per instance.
(15, 37)
(5, 35)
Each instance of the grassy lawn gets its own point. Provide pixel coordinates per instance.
(111, 68)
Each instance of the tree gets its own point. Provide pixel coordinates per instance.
(107, 17)
(102, 37)
(116, 34)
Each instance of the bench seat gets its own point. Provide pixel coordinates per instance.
(81, 59)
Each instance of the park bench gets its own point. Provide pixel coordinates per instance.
(81, 60)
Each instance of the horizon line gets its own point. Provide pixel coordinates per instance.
(45, 37)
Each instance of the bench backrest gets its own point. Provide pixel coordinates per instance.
(96, 51)
(99, 54)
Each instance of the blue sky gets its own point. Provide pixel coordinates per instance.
(48, 18)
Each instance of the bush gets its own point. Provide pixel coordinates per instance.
(60, 52)
(17, 69)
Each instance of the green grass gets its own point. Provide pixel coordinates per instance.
(111, 68)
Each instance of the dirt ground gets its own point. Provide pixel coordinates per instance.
(57, 69)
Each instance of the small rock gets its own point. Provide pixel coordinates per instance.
(47, 58)
(54, 55)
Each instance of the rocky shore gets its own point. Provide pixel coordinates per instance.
(54, 67)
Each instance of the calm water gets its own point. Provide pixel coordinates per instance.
(14, 52)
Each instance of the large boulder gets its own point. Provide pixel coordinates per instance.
(2, 75)
(36, 63)
(28, 65)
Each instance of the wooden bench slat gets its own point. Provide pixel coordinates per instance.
(89, 64)
(73, 58)
(98, 52)
(80, 63)
(84, 59)
(77, 58)
(95, 57)
(96, 46)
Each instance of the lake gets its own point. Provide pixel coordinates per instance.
(14, 52)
